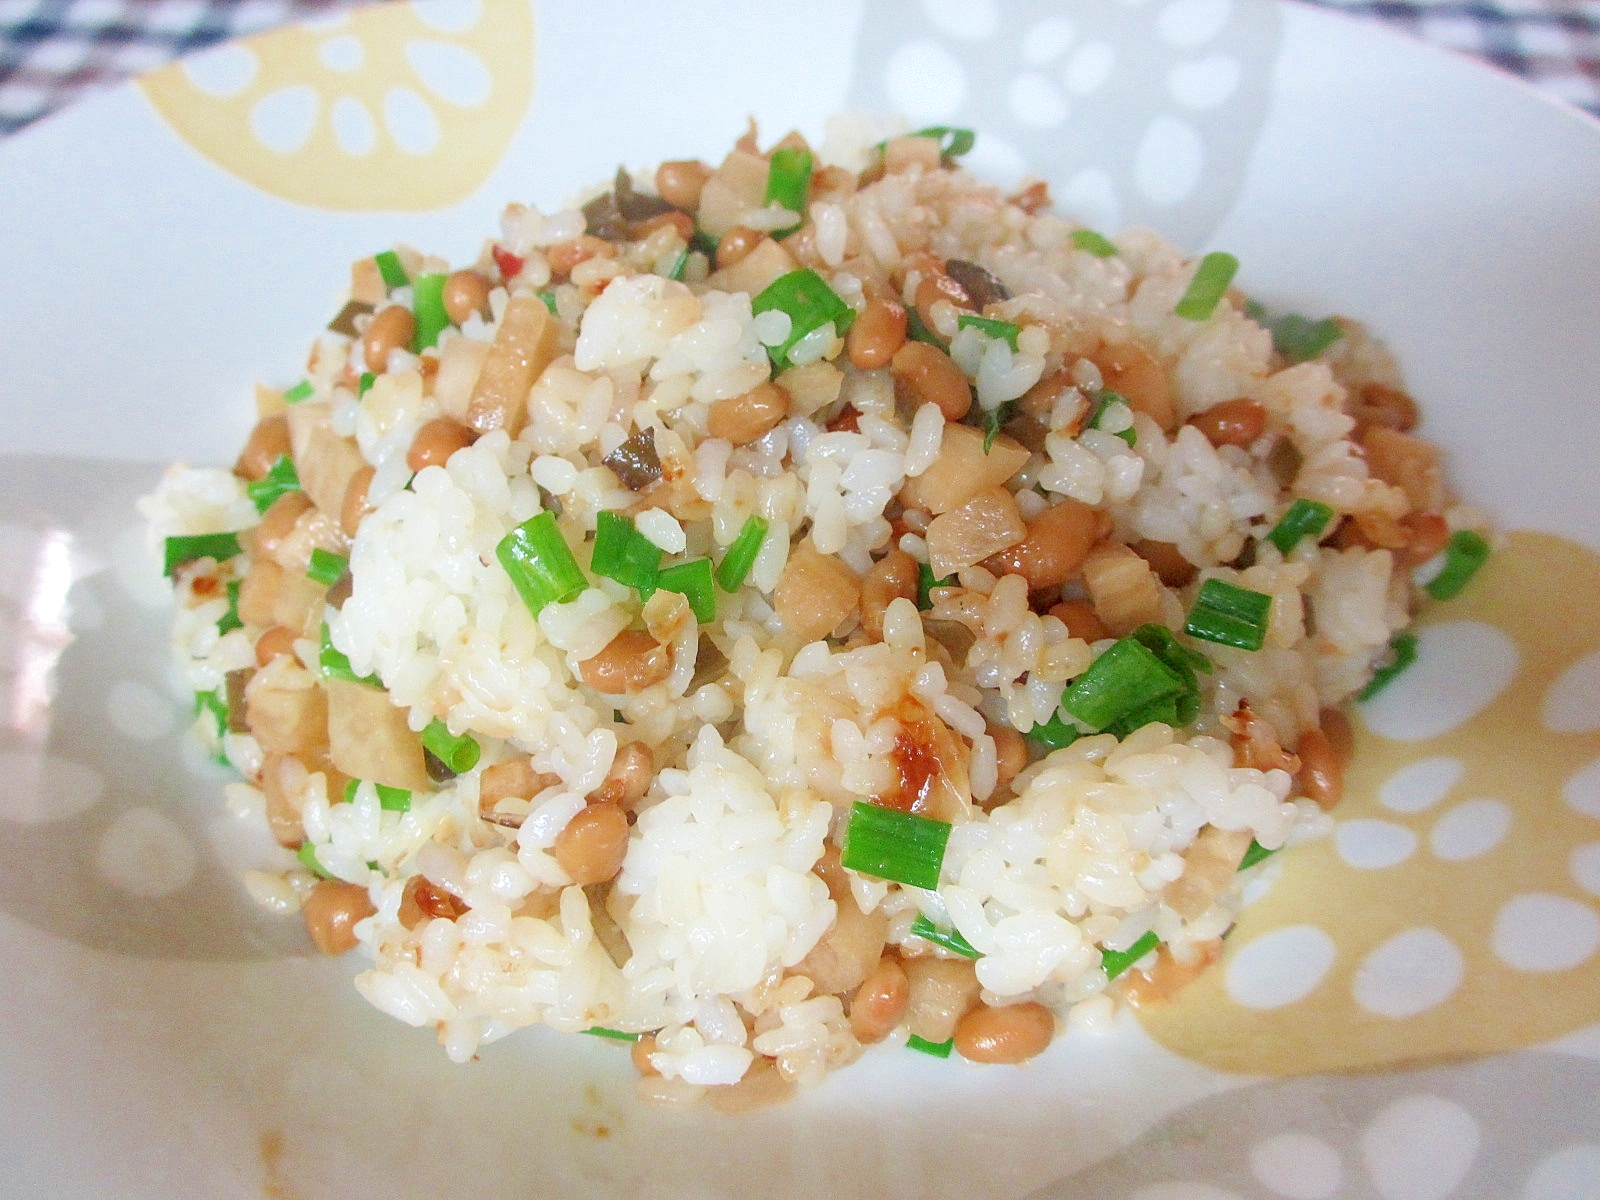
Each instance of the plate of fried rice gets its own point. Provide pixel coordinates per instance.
(979, 600)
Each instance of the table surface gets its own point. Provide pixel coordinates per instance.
(53, 51)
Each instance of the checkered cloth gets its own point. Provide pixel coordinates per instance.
(54, 50)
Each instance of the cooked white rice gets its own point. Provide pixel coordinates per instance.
(721, 929)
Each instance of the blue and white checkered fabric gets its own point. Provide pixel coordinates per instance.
(52, 51)
(1554, 44)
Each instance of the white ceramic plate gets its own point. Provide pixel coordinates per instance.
(167, 245)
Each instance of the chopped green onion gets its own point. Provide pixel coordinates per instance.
(300, 391)
(394, 275)
(307, 854)
(1123, 680)
(1254, 854)
(390, 799)
(994, 419)
(926, 583)
(1229, 615)
(427, 306)
(460, 754)
(180, 550)
(1104, 399)
(1402, 653)
(1295, 337)
(936, 1049)
(335, 665)
(916, 331)
(622, 553)
(1305, 518)
(1054, 733)
(1115, 962)
(1211, 280)
(1463, 555)
(789, 183)
(741, 556)
(808, 302)
(694, 580)
(991, 327)
(549, 298)
(540, 563)
(326, 567)
(898, 846)
(953, 141)
(1178, 709)
(615, 1035)
(364, 384)
(214, 702)
(679, 265)
(279, 481)
(1096, 244)
(230, 619)
(950, 939)
(705, 243)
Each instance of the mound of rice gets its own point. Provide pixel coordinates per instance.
(944, 452)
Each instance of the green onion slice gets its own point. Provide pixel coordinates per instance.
(230, 619)
(1402, 653)
(994, 420)
(622, 553)
(326, 567)
(1211, 280)
(1103, 400)
(364, 384)
(1229, 615)
(1254, 854)
(1463, 555)
(300, 391)
(1295, 337)
(926, 583)
(936, 1049)
(427, 306)
(693, 580)
(540, 563)
(180, 550)
(549, 298)
(394, 275)
(810, 304)
(916, 331)
(789, 183)
(390, 799)
(216, 703)
(307, 854)
(741, 556)
(894, 845)
(460, 754)
(1305, 518)
(991, 327)
(1123, 680)
(679, 265)
(615, 1035)
(279, 481)
(335, 665)
(1096, 244)
(953, 140)
(1054, 733)
(1115, 962)
(950, 939)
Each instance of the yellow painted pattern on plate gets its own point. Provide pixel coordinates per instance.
(1541, 591)
(388, 108)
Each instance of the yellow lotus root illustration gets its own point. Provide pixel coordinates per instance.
(394, 106)
(1455, 910)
